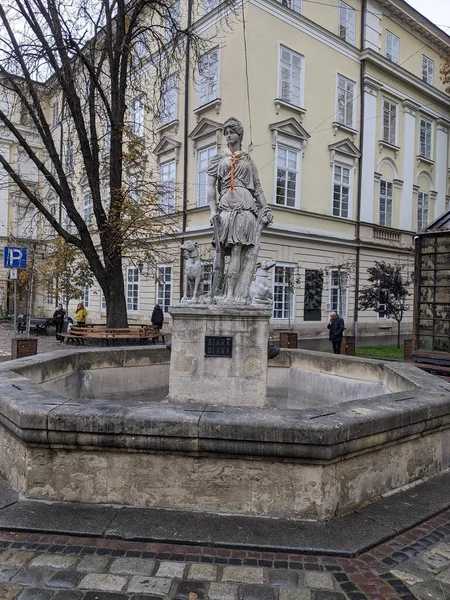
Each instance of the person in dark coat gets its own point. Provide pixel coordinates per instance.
(58, 319)
(336, 327)
(157, 316)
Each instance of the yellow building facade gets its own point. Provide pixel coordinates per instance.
(347, 120)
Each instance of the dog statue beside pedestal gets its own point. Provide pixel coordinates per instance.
(192, 273)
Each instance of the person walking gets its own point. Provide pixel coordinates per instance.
(81, 314)
(157, 317)
(58, 319)
(336, 327)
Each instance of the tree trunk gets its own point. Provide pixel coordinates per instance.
(116, 306)
(398, 334)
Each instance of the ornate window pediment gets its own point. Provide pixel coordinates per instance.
(344, 148)
(290, 132)
(206, 133)
(168, 148)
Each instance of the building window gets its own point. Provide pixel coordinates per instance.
(385, 211)
(313, 295)
(425, 138)
(207, 273)
(290, 76)
(107, 138)
(283, 298)
(427, 69)
(69, 154)
(132, 289)
(208, 75)
(287, 173)
(55, 114)
(85, 292)
(167, 183)
(389, 121)
(295, 5)
(140, 49)
(338, 292)
(169, 99)
(346, 22)
(203, 158)
(137, 117)
(102, 302)
(173, 20)
(209, 5)
(164, 287)
(341, 191)
(345, 100)
(135, 188)
(88, 209)
(392, 47)
(422, 210)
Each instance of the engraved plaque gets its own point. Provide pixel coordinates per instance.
(218, 346)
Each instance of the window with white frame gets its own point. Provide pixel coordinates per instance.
(102, 302)
(422, 210)
(347, 26)
(167, 183)
(169, 99)
(290, 75)
(203, 158)
(345, 101)
(341, 190)
(50, 291)
(287, 176)
(427, 69)
(85, 293)
(283, 297)
(389, 121)
(132, 289)
(137, 117)
(392, 47)
(106, 198)
(425, 138)
(295, 5)
(385, 203)
(140, 49)
(164, 286)
(339, 292)
(208, 77)
(55, 114)
(88, 208)
(68, 154)
(209, 5)
(207, 273)
(173, 19)
(135, 187)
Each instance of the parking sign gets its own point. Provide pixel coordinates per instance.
(14, 257)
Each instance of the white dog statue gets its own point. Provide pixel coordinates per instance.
(192, 272)
(260, 292)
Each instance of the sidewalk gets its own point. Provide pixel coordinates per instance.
(63, 551)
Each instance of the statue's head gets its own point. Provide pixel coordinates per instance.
(235, 125)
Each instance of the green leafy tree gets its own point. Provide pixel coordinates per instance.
(387, 291)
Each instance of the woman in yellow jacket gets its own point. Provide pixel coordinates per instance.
(81, 314)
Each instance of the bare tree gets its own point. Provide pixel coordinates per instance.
(81, 75)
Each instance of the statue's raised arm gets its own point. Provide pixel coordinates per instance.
(239, 213)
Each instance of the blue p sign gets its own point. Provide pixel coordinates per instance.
(14, 257)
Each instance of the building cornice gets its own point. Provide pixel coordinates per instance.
(417, 24)
(403, 75)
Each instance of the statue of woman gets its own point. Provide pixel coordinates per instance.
(243, 213)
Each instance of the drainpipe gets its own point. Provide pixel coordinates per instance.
(359, 201)
(185, 138)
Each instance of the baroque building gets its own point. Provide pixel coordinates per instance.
(347, 120)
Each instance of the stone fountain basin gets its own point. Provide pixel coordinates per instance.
(131, 448)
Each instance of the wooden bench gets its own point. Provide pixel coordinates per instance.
(142, 333)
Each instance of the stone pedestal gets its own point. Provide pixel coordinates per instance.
(201, 330)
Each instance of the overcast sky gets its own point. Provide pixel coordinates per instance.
(437, 11)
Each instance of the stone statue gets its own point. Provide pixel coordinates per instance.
(192, 272)
(243, 214)
(260, 291)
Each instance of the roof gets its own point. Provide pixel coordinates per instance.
(442, 222)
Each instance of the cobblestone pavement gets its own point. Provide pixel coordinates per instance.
(46, 343)
(413, 566)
